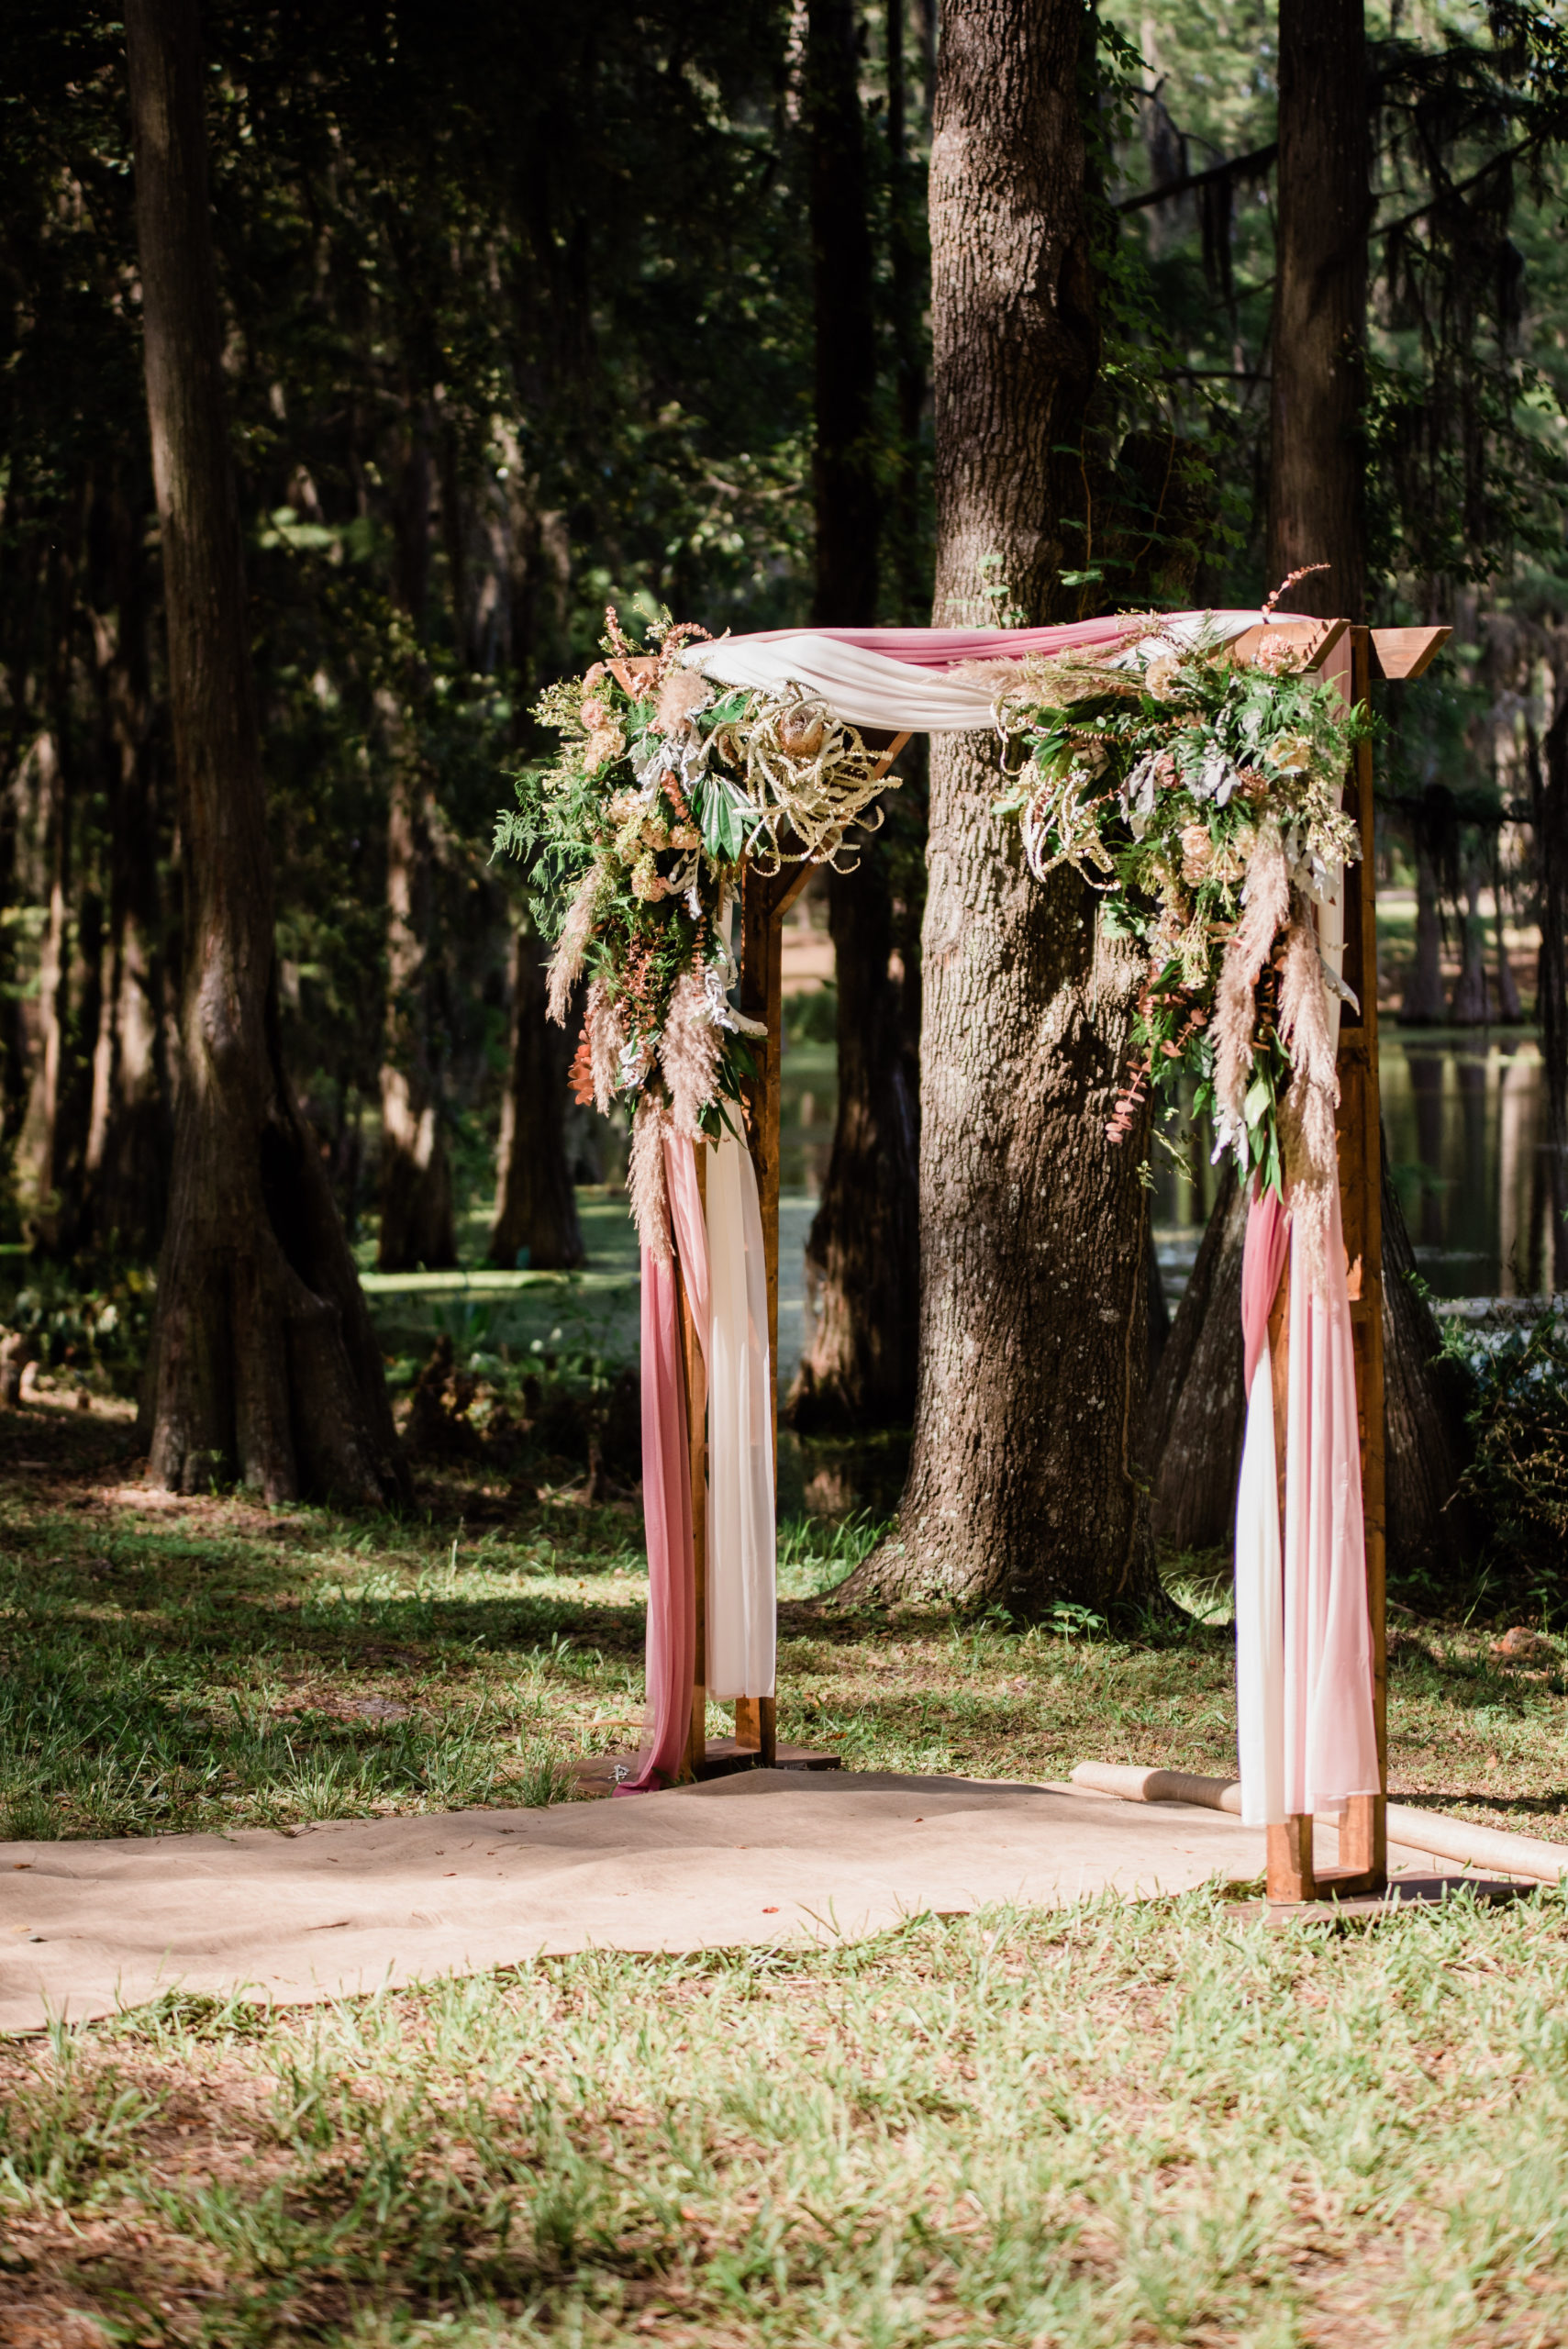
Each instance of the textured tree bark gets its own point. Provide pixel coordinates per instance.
(859, 1369)
(39, 1143)
(1033, 1311)
(1423, 1004)
(416, 1226)
(906, 549)
(1430, 1533)
(844, 476)
(1316, 501)
(264, 1365)
(1197, 1405)
(536, 1215)
(131, 1131)
(1549, 781)
(863, 1252)
(1470, 1003)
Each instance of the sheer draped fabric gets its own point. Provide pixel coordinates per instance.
(909, 681)
(742, 1530)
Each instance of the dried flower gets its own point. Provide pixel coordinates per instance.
(566, 963)
(683, 692)
(802, 732)
(1292, 753)
(645, 882)
(689, 1053)
(645, 1178)
(1197, 851)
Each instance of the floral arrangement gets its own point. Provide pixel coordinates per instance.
(663, 783)
(1197, 791)
(1201, 793)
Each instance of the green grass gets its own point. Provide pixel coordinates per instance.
(1116, 2125)
(1113, 2125)
(171, 1665)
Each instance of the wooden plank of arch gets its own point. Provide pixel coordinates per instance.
(765, 899)
(1292, 1877)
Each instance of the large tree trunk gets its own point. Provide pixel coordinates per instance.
(1430, 1533)
(264, 1364)
(863, 1252)
(416, 1226)
(536, 1208)
(844, 477)
(130, 1132)
(906, 539)
(1424, 1004)
(1471, 1002)
(859, 1369)
(1548, 783)
(39, 1143)
(1198, 1405)
(1022, 1485)
(1316, 501)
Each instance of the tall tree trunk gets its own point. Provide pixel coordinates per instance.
(859, 1369)
(1549, 791)
(1430, 1533)
(1316, 502)
(38, 1144)
(536, 1208)
(1022, 1484)
(905, 534)
(844, 469)
(1198, 1405)
(264, 1364)
(130, 1132)
(1424, 1003)
(416, 1226)
(1471, 1005)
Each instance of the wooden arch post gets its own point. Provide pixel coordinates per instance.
(765, 899)
(1354, 655)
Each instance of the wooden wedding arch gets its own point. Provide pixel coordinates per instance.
(1354, 655)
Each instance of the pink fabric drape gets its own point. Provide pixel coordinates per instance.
(1262, 1262)
(671, 1640)
(943, 648)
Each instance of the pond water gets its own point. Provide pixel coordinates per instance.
(1461, 1112)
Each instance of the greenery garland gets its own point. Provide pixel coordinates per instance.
(663, 785)
(1196, 791)
(1200, 793)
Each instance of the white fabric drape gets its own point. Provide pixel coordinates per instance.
(1306, 1733)
(741, 1536)
(868, 688)
(1260, 1613)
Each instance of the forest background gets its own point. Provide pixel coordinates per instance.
(526, 313)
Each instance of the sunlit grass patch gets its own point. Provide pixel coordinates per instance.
(1112, 2125)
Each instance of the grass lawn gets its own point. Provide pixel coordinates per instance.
(1111, 2126)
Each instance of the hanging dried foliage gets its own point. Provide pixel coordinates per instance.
(1199, 794)
(663, 785)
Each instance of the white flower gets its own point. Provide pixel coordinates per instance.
(1292, 753)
